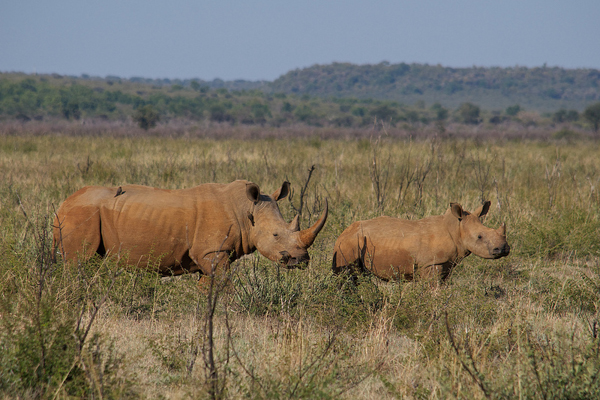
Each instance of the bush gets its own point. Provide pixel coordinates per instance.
(469, 113)
(146, 117)
(513, 110)
(46, 348)
(563, 115)
(592, 114)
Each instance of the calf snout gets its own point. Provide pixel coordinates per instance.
(291, 262)
(501, 251)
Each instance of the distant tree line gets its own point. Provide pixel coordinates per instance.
(543, 86)
(42, 97)
(552, 82)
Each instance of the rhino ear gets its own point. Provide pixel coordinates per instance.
(253, 192)
(457, 210)
(483, 209)
(282, 192)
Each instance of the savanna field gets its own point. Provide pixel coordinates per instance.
(523, 326)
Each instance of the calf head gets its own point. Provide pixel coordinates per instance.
(272, 236)
(479, 239)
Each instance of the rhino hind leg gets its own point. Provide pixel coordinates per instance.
(78, 237)
(353, 265)
(340, 264)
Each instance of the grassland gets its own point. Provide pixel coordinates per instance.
(525, 326)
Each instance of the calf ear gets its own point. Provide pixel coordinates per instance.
(457, 210)
(253, 192)
(483, 209)
(282, 192)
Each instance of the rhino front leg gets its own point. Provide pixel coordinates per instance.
(217, 263)
(435, 271)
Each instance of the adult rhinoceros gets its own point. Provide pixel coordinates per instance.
(178, 231)
(393, 248)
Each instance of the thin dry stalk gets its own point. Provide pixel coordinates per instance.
(472, 369)
(552, 180)
(482, 175)
(216, 286)
(302, 192)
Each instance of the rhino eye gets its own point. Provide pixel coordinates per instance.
(479, 237)
(275, 234)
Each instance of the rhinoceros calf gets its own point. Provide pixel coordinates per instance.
(392, 248)
(178, 231)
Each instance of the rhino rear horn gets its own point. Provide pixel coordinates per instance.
(295, 224)
(307, 236)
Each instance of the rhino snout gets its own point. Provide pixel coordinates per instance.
(291, 262)
(501, 251)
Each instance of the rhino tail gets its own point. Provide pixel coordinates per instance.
(338, 265)
(360, 263)
(334, 263)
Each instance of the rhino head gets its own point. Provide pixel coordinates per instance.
(272, 236)
(477, 238)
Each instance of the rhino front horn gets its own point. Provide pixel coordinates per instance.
(307, 236)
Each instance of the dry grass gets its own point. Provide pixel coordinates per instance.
(525, 325)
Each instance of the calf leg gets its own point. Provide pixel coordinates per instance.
(438, 272)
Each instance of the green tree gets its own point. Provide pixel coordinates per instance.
(287, 107)
(513, 110)
(592, 114)
(469, 113)
(359, 111)
(440, 112)
(260, 112)
(563, 115)
(305, 113)
(385, 113)
(218, 112)
(572, 116)
(412, 116)
(146, 117)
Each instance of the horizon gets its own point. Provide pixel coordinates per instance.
(89, 76)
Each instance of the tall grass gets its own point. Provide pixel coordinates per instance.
(525, 325)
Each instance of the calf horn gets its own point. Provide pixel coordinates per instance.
(502, 229)
(307, 236)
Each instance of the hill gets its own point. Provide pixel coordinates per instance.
(541, 89)
(336, 95)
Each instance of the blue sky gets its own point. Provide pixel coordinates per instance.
(264, 39)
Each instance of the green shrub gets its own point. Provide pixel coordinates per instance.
(146, 117)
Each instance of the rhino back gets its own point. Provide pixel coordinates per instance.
(167, 224)
(395, 246)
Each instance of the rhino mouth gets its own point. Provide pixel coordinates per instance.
(290, 262)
